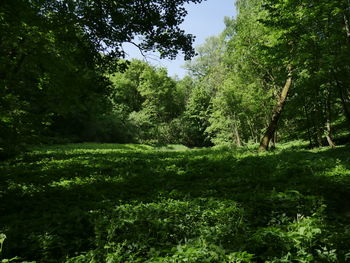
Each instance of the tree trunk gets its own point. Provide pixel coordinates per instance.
(274, 141)
(307, 124)
(316, 133)
(343, 98)
(251, 128)
(347, 28)
(271, 129)
(238, 138)
(236, 132)
(328, 134)
(328, 121)
(318, 120)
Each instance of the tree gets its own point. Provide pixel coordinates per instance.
(312, 40)
(146, 98)
(209, 56)
(208, 74)
(271, 129)
(243, 97)
(195, 118)
(54, 56)
(150, 24)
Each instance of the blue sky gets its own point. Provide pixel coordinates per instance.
(203, 20)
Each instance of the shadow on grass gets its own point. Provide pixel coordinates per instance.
(94, 146)
(44, 197)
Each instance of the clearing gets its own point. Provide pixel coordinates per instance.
(137, 203)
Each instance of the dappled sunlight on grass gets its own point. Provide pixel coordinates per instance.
(84, 201)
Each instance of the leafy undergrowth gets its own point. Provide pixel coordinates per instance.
(136, 203)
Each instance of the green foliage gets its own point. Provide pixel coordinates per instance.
(312, 40)
(137, 203)
(244, 70)
(54, 58)
(195, 118)
(62, 80)
(2, 240)
(46, 91)
(146, 100)
(229, 71)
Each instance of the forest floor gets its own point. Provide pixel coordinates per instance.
(137, 203)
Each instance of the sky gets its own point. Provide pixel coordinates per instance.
(203, 20)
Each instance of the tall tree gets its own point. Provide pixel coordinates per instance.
(316, 36)
(55, 53)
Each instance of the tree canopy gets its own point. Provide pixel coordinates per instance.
(55, 56)
(279, 71)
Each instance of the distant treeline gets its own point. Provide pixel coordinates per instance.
(279, 71)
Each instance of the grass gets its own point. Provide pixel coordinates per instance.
(137, 203)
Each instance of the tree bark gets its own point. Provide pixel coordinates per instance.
(273, 141)
(318, 123)
(238, 138)
(328, 122)
(253, 134)
(328, 134)
(344, 102)
(347, 28)
(307, 124)
(271, 129)
(236, 132)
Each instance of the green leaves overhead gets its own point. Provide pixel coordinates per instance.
(54, 55)
(153, 24)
